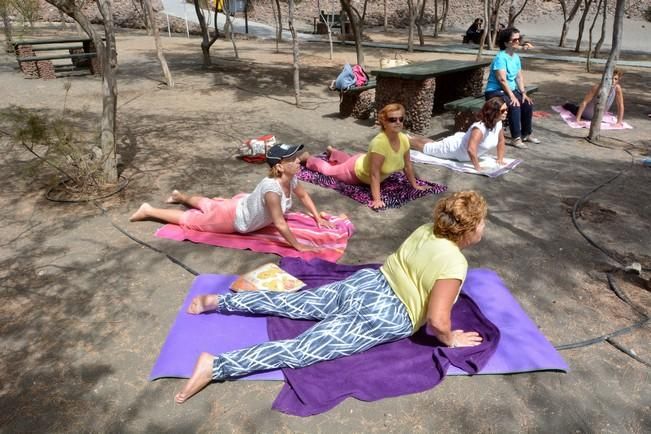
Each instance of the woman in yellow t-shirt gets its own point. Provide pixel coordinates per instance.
(417, 285)
(387, 153)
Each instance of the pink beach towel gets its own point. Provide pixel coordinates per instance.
(607, 123)
(332, 242)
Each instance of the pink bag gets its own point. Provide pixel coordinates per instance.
(361, 77)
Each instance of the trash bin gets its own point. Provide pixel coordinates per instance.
(236, 6)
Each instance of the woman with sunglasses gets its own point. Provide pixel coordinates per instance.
(387, 153)
(482, 136)
(506, 81)
(244, 213)
(416, 286)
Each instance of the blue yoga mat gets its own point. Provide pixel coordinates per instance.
(522, 347)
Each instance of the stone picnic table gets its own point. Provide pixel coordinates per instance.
(425, 87)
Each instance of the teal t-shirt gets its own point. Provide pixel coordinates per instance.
(502, 61)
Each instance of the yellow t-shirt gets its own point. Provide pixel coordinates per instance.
(418, 263)
(393, 161)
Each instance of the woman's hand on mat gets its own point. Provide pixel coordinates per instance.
(500, 162)
(379, 203)
(465, 339)
(619, 124)
(420, 187)
(323, 223)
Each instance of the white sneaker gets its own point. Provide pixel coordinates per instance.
(531, 139)
(517, 143)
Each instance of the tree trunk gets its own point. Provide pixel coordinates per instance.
(152, 24)
(600, 42)
(419, 23)
(206, 40)
(594, 21)
(107, 56)
(584, 15)
(295, 52)
(4, 11)
(484, 34)
(436, 19)
(279, 29)
(411, 7)
(357, 26)
(444, 17)
(495, 21)
(567, 19)
(109, 94)
(229, 24)
(513, 15)
(607, 77)
(386, 15)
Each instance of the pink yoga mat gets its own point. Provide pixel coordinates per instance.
(607, 123)
(332, 242)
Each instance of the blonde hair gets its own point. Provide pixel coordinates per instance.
(274, 172)
(459, 214)
(618, 72)
(384, 113)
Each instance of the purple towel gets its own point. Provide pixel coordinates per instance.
(395, 190)
(398, 368)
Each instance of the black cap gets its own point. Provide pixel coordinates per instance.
(280, 151)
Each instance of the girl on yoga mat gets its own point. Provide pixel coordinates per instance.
(417, 285)
(482, 136)
(244, 213)
(585, 110)
(387, 153)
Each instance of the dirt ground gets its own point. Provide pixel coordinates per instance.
(85, 309)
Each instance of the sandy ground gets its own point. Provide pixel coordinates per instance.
(85, 309)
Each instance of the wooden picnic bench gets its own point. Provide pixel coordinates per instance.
(81, 52)
(358, 102)
(466, 109)
(424, 88)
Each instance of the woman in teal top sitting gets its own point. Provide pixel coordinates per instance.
(387, 153)
(506, 81)
(416, 285)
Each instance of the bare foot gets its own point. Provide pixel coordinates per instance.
(141, 214)
(202, 303)
(175, 197)
(303, 157)
(201, 376)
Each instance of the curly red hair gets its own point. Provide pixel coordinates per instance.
(459, 214)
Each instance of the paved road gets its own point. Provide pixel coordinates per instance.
(180, 9)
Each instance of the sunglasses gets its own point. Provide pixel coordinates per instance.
(504, 110)
(516, 40)
(394, 120)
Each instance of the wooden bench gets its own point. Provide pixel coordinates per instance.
(81, 52)
(467, 108)
(358, 102)
(336, 21)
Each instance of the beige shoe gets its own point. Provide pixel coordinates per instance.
(517, 143)
(531, 139)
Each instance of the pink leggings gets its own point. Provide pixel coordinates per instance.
(212, 215)
(340, 166)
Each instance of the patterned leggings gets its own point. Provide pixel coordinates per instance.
(355, 314)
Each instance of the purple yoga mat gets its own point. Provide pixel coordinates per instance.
(406, 366)
(522, 348)
(190, 335)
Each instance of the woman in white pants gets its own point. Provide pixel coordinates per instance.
(482, 136)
